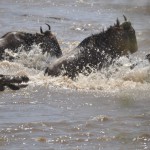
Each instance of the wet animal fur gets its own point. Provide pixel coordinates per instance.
(96, 51)
(13, 82)
(13, 40)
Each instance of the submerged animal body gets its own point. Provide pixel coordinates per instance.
(13, 40)
(96, 51)
(13, 82)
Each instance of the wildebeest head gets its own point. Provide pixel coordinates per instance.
(49, 42)
(123, 37)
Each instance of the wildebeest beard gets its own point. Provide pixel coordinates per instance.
(97, 51)
(46, 40)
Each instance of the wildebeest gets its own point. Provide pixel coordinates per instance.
(96, 51)
(13, 40)
(12, 81)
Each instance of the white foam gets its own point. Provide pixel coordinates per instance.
(116, 77)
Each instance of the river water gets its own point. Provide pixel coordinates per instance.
(108, 110)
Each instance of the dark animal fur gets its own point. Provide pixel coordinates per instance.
(11, 81)
(97, 51)
(47, 41)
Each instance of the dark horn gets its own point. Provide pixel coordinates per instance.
(41, 30)
(118, 23)
(125, 18)
(49, 27)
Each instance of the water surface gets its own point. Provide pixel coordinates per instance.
(101, 111)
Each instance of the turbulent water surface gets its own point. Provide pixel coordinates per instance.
(107, 110)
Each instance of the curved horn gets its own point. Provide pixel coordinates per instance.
(41, 30)
(49, 27)
(125, 18)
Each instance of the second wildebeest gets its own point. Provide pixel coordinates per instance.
(47, 40)
(96, 51)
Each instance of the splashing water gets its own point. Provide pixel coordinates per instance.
(118, 76)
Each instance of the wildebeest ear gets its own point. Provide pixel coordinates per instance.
(41, 30)
(125, 18)
(49, 27)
